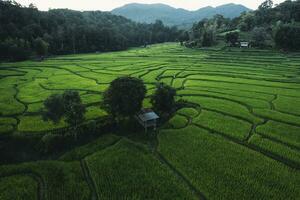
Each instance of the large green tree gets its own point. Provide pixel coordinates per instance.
(41, 47)
(67, 105)
(163, 99)
(124, 97)
(259, 36)
(287, 37)
(232, 38)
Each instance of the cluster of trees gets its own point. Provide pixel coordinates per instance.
(68, 106)
(122, 100)
(125, 96)
(204, 33)
(25, 31)
(269, 25)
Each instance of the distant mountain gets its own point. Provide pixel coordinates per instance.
(148, 13)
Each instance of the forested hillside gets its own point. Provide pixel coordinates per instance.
(271, 26)
(25, 31)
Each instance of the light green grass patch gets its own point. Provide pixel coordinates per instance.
(288, 104)
(277, 116)
(36, 124)
(91, 98)
(178, 121)
(94, 112)
(8, 104)
(224, 124)
(231, 108)
(190, 112)
(35, 107)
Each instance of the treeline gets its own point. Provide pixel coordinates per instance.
(269, 25)
(26, 31)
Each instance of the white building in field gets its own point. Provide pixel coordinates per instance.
(244, 44)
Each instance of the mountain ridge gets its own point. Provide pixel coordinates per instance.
(148, 13)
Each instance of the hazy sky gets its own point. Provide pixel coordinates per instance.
(107, 5)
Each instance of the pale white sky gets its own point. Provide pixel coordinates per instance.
(107, 5)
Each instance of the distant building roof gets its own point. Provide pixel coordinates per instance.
(148, 116)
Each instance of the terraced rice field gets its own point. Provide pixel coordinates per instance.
(238, 138)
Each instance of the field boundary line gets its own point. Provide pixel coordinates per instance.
(89, 180)
(179, 175)
(284, 161)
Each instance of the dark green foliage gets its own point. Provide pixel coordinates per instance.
(67, 105)
(73, 108)
(208, 38)
(163, 99)
(55, 108)
(14, 49)
(184, 36)
(41, 47)
(232, 38)
(261, 23)
(204, 32)
(259, 36)
(124, 97)
(67, 31)
(51, 143)
(288, 37)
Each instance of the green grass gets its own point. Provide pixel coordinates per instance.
(18, 187)
(250, 102)
(62, 180)
(128, 171)
(94, 112)
(8, 104)
(225, 170)
(190, 112)
(91, 148)
(288, 104)
(229, 91)
(278, 116)
(224, 124)
(8, 120)
(36, 124)
(282, 132)
(178, 121)
(5, 129)
(276, 148)
(231, 108)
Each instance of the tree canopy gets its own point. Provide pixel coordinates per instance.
(67, 31)
(232, 37)
(67, 105)
(124, 97)
(266, 26)
(163, 99)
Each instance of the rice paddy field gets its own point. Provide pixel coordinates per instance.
(237, 138)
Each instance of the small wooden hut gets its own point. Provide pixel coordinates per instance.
(147, 118)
